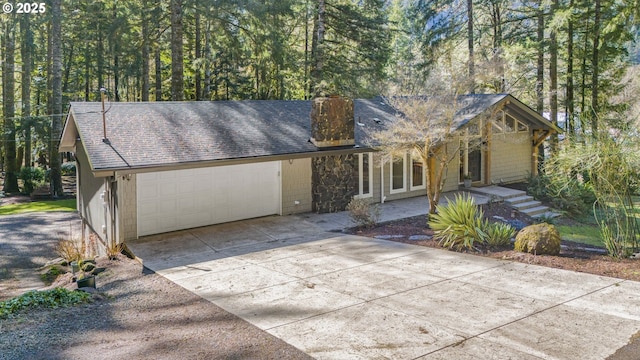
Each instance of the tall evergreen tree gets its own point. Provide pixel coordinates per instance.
(8, 100)
(56, 96)
(177, 67)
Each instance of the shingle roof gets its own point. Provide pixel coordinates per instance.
(145, 134)
(150, 134)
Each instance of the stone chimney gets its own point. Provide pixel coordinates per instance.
(333, 177)
(332, 122)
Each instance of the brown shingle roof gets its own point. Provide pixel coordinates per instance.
(145, 134)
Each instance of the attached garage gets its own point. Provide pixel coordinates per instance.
(183, 199)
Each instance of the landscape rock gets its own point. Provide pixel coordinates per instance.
(538, 239)
(419, 237)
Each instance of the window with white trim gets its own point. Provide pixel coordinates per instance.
(418, 175)
(365, 175)
(398, 168)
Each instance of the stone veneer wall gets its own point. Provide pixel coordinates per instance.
(333, 182)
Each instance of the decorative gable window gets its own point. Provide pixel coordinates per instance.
(508, 124)
(365, 175)
(398, 169)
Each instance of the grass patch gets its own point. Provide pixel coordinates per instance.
(584, 234)
(39, 206)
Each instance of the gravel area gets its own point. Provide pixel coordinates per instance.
(137, 314)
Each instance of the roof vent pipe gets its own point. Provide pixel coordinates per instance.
(104, 117)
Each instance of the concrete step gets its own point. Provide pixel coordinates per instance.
(519, 199)
(501, 192)
(526, 205)
(535, 210)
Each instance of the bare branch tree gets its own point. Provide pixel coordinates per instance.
(432, 126)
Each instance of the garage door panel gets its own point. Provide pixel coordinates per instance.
(181, 199)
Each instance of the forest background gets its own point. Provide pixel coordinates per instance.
(576, 61)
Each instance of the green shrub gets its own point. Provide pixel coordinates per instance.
(50, 299)
(363, 213)
(32, 177)
(68, 168)
(459, 224)
(570, 193)
(499, 234)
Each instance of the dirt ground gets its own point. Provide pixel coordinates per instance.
(137, 315)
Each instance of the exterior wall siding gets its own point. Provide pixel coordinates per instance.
(452, 182)
(296, 186)
(127, 214)
(510, 158)
(90, 206)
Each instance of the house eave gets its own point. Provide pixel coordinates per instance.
(69, 135)
(223, 162)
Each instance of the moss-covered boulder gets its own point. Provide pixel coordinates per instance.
(538, 239)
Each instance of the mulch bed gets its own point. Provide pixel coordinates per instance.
(572, 256)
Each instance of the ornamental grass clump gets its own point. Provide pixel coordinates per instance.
(459, 225)
(499, 234)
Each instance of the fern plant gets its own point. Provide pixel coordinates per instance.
(459, 224)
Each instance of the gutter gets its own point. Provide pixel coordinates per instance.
(224, 162)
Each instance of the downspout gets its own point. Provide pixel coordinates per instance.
(382, 197)
(105, 205)
(113, 197)
(108, 202)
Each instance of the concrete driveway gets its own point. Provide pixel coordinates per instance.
(348, 297)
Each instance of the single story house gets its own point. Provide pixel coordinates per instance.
(152, 167)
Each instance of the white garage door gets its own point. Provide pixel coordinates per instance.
(182, 199)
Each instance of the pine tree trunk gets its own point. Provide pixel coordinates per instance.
(177, 82)
(198, 54)
(26, 49)
(158, 61)
(144, 32)
(595, 70)
(540, 64)
(56, 91)
(540, 74)
(472, 66)
(570, 91)
(8, 99)
(553, 79)
(317, 51)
